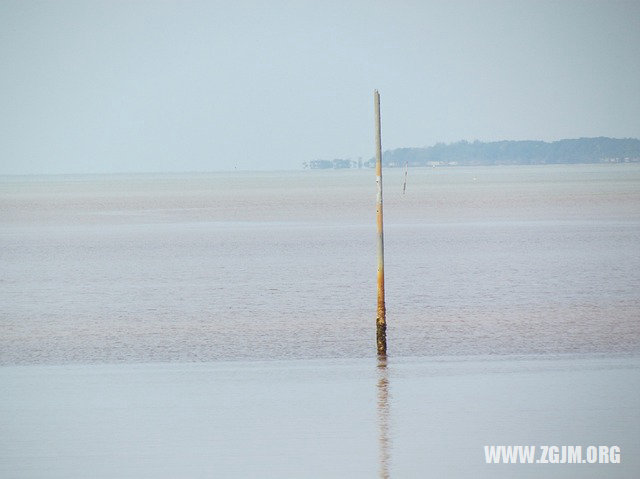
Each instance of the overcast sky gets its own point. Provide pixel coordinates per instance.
(120, 86)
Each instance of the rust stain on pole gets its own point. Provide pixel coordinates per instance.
(381, 319)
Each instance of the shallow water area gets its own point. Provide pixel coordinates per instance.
(222, 324)
(410, 417)
(201, 267)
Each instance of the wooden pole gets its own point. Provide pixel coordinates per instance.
(406, 170)
(381, 319)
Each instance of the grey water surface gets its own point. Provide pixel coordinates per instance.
(222, 324)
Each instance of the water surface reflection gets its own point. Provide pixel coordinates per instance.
(384, 439)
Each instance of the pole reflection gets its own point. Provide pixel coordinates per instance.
(384, 440)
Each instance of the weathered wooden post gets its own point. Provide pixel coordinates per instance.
(381, 319)
(404, 183)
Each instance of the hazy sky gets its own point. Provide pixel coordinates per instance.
(118, 86)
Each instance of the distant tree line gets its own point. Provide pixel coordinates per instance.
(582, 150)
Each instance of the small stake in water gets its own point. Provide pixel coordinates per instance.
(406, 169)
(381, 319)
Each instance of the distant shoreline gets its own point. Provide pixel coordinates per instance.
(81, 176)
(477, 153)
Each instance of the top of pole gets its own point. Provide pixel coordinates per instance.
(376, 102)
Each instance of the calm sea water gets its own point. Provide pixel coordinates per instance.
(222, 325)
(486, 260)
(323, 418)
